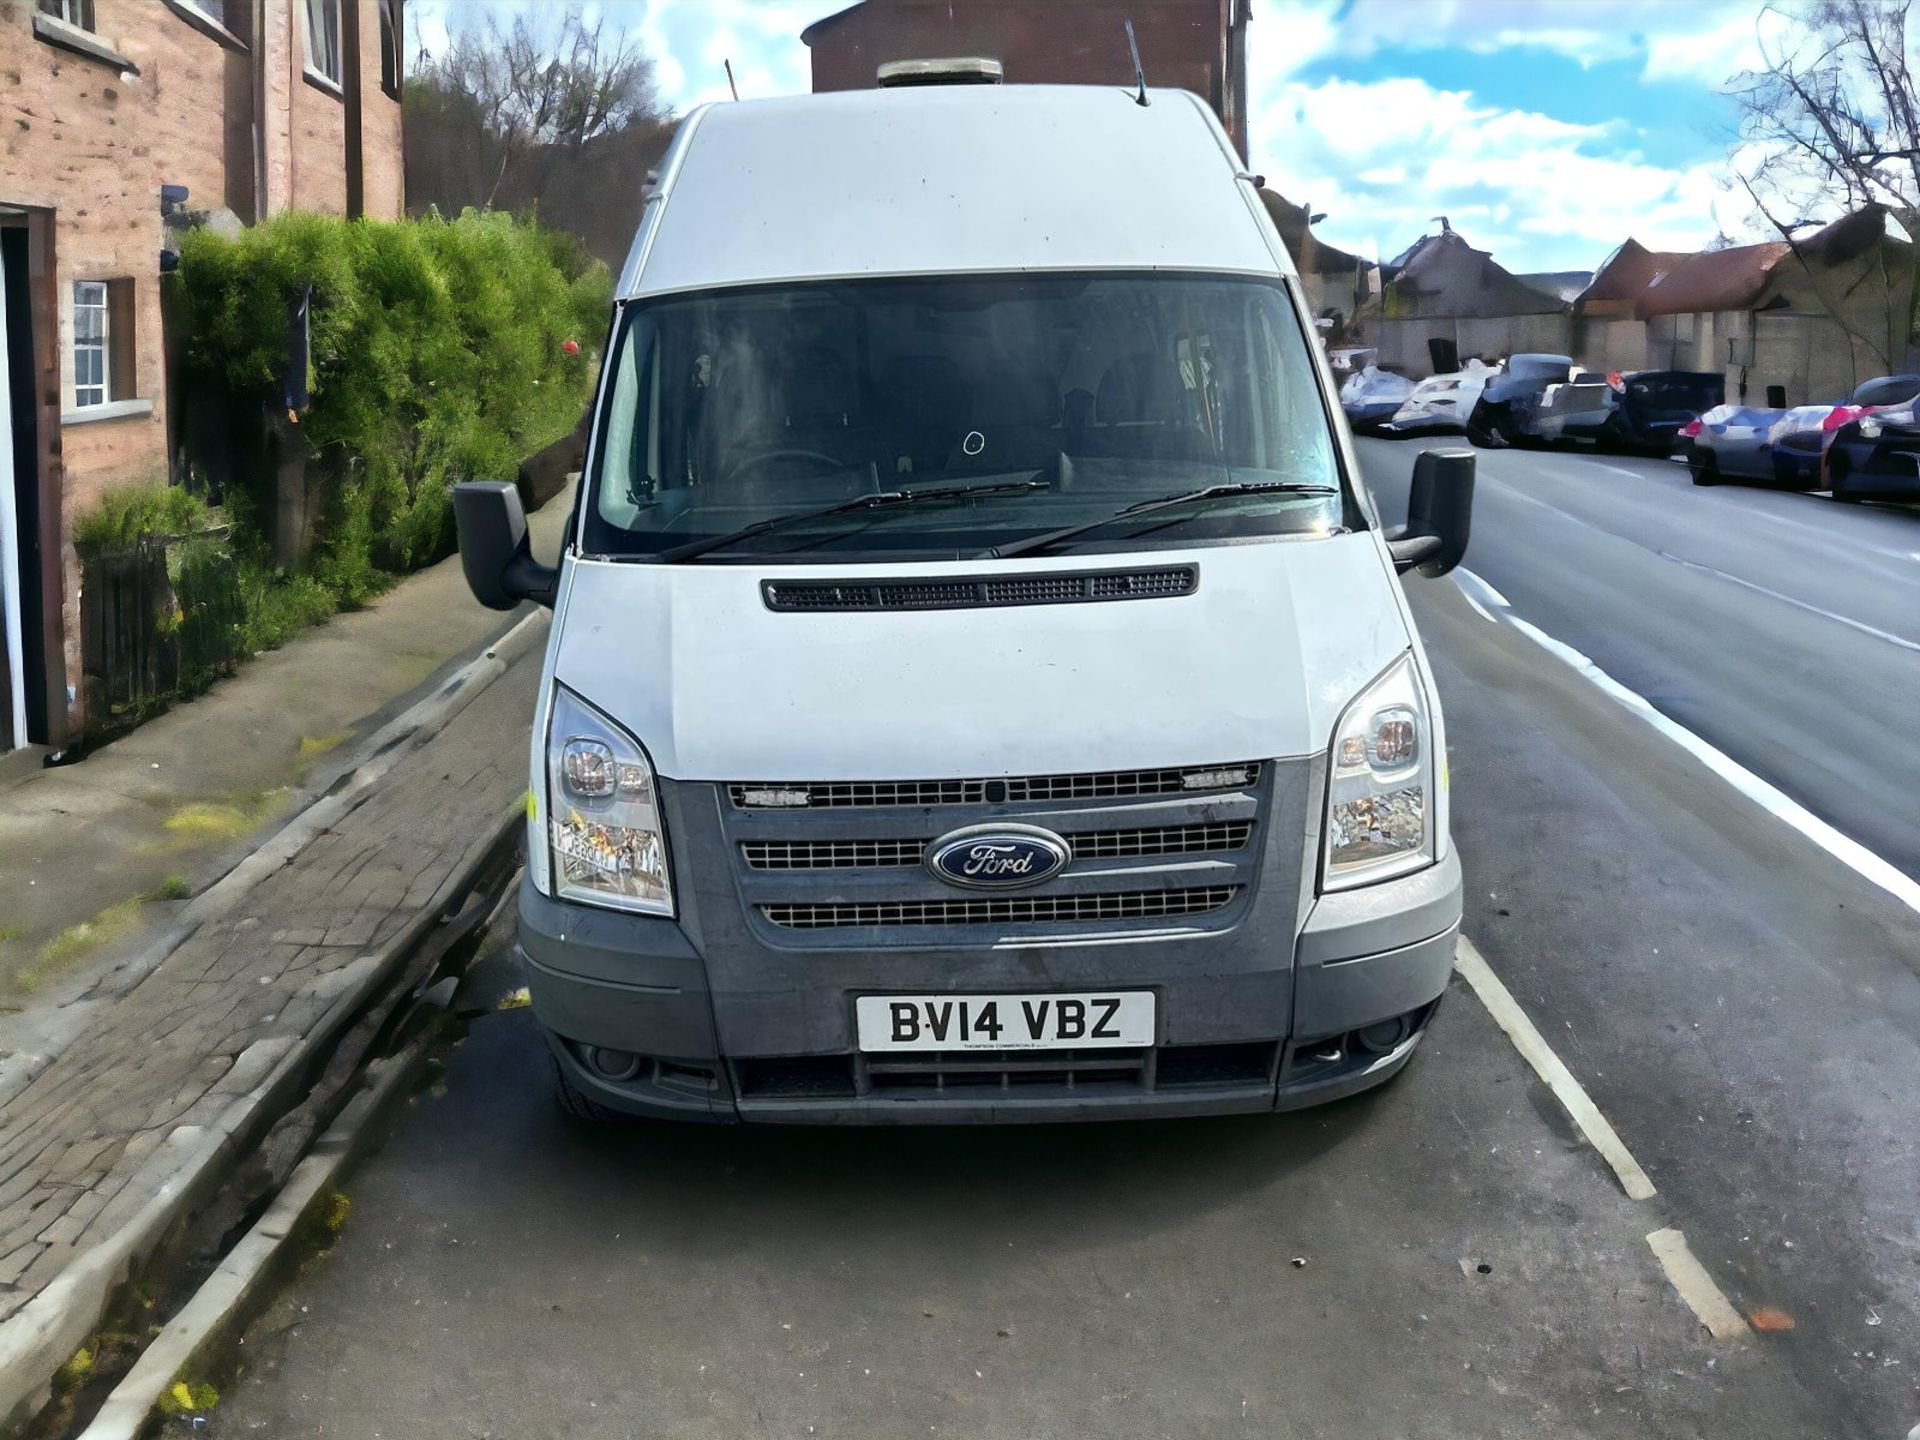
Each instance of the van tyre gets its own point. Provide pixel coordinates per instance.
(575, 1101)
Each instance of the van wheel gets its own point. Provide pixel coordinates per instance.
(576, 1102)
(1704, 469)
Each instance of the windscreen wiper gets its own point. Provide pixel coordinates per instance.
(875, 501)
(1165, 502)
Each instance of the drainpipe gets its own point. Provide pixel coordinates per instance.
(1237, 75)
(259, 111)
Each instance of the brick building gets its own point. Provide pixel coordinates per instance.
(120, 122)
(1197, 45)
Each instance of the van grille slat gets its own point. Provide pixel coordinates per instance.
(1013, 790)
(896, 854)
(963, 592)
(1008, 909)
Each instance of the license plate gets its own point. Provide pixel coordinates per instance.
(1085, 1021)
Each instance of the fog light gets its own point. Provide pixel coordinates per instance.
(1379, 1038)
(612, 1064)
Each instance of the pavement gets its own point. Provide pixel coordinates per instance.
(96, 857)
(1443, 1258)
(130, 1088)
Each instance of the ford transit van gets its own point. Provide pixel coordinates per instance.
(979, 688)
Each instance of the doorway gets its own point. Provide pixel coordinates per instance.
(23, 701)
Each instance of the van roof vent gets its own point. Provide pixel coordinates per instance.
(961, 70)
(975, 592)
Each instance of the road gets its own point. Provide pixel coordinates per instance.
(1743, 1007)
(1783, 628)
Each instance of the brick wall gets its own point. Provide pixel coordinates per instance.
(93, 142)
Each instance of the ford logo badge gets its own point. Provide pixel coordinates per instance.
(998, 857)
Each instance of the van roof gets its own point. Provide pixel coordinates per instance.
(948, 180)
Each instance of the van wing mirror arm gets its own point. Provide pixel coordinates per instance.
(1410, 551)
(1439, 514)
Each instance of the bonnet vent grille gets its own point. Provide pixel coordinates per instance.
(966, 592)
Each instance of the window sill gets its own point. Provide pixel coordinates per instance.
(322, 81)
(206, 24)
(56, 31)
(112, 410)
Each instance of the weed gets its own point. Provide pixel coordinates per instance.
(173, 887)
(186, 1398)
(76, 940)
(76, 1372)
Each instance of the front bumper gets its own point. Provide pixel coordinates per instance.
(600, 980)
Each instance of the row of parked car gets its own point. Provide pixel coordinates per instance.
(1866, 447)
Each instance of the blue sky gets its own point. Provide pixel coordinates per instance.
(1546, 132)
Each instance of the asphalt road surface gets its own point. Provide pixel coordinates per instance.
(1780, 626)
(1744, 1008)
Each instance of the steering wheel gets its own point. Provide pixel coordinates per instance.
(768, 457)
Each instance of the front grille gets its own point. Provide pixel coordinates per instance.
(895, 854)
(1013, 790)
(1010, 909)
(967, 592)
(939, 1071)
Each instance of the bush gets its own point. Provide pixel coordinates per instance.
(435, 356)
(151, 509)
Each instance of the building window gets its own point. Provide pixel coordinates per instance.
(74, 12)
(214, 10)
(103, 364)
(391, 31)
(323, 38)
(91, 332)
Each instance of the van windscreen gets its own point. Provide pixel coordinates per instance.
(728, 409)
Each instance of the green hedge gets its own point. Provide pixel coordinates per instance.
(437, 355)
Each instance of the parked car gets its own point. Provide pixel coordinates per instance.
(1794, 445)
(1580, 408)
(1651, 406)
(978, 691)
(1372, 395)
(1729, 442)
(1505, 411)
(1442, 402)
(1873, 452)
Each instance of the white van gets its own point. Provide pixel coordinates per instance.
(978, 688)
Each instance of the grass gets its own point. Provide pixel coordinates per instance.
(11, 932)
(174, 887)
(110, 924)
(77, 940)
(312, 747)
(213, 822)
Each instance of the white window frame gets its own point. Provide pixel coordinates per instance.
(77, 13)
(323, 46)
(87, 393)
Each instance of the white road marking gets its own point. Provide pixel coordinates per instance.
(1848, 621)
(1848, 851)
(1533, 1047)
(1696, 1287)
(1470, 582)
(1621, 470)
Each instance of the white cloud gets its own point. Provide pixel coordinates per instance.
(1383, 157)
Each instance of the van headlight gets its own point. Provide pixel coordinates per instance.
(608, 844)
(1380, 784)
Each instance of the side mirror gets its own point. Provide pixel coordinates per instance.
(1439, 514)
(494, 550)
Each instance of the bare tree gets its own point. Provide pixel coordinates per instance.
(1830, 123)
(509, 116)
